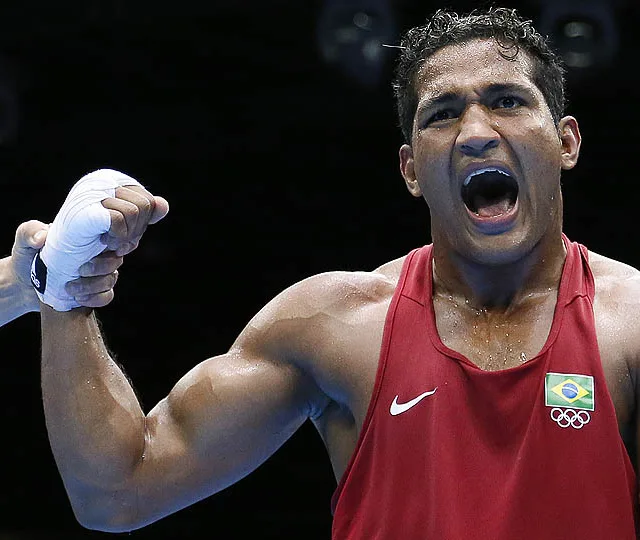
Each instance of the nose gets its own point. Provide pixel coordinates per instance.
(477, 134)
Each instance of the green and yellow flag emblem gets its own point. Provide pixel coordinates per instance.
(569, 390)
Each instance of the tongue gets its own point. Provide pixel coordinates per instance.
(492, 207)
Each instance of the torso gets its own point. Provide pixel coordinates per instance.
(345, 366)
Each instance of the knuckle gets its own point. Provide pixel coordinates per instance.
(24, 228)
(133, 211)
(87, 269)
(72, 288)
(103, 299)
(118, 222)
(146, 206)
(32, 224)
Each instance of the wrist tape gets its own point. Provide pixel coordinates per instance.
(75, 236)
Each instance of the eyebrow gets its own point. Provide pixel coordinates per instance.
(489, 90)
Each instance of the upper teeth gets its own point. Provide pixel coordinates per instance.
(481, 171)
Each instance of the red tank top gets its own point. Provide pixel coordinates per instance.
(451, 452)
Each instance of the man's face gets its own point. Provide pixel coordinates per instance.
(486, 154)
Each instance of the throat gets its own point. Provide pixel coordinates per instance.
(497, 288)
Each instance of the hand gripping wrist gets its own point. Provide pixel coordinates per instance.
(75, 236)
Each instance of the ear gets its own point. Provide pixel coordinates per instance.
(570, 138)
(408, 171)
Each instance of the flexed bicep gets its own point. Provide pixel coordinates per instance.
(220, 422)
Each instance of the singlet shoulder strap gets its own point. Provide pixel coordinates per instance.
(577, 279)
(414, 279)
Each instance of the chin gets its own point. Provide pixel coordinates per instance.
(500, 249)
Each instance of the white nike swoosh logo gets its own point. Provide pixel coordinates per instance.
(398, 408)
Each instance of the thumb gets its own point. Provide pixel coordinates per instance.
(31, 234)
(161, 209)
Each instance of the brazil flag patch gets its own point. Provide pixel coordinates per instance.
(569, 390)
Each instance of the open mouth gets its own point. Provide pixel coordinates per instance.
(490, 192)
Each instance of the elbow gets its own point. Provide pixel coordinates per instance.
(100, 526)
(109, 514)
(108, 525)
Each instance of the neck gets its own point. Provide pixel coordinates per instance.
(499, 287)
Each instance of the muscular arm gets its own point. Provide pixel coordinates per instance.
(123, 469)
(617, 311)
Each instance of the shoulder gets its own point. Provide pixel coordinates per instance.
(336, 291)
(617, 305)
(615, 280)
(328, 327)
(321, 303)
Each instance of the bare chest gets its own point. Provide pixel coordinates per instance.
(494, 341)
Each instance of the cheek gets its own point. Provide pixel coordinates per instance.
(432, 158)
(432, 176)
(541, 149)
(437, 196)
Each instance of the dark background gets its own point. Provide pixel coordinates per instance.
(278, 164)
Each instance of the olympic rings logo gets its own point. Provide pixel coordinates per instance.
(570, 417)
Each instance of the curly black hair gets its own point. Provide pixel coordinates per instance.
(510, 31)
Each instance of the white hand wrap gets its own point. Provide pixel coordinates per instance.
(75, 236)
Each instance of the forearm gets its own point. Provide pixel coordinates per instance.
(96, 426)
(15, 301)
